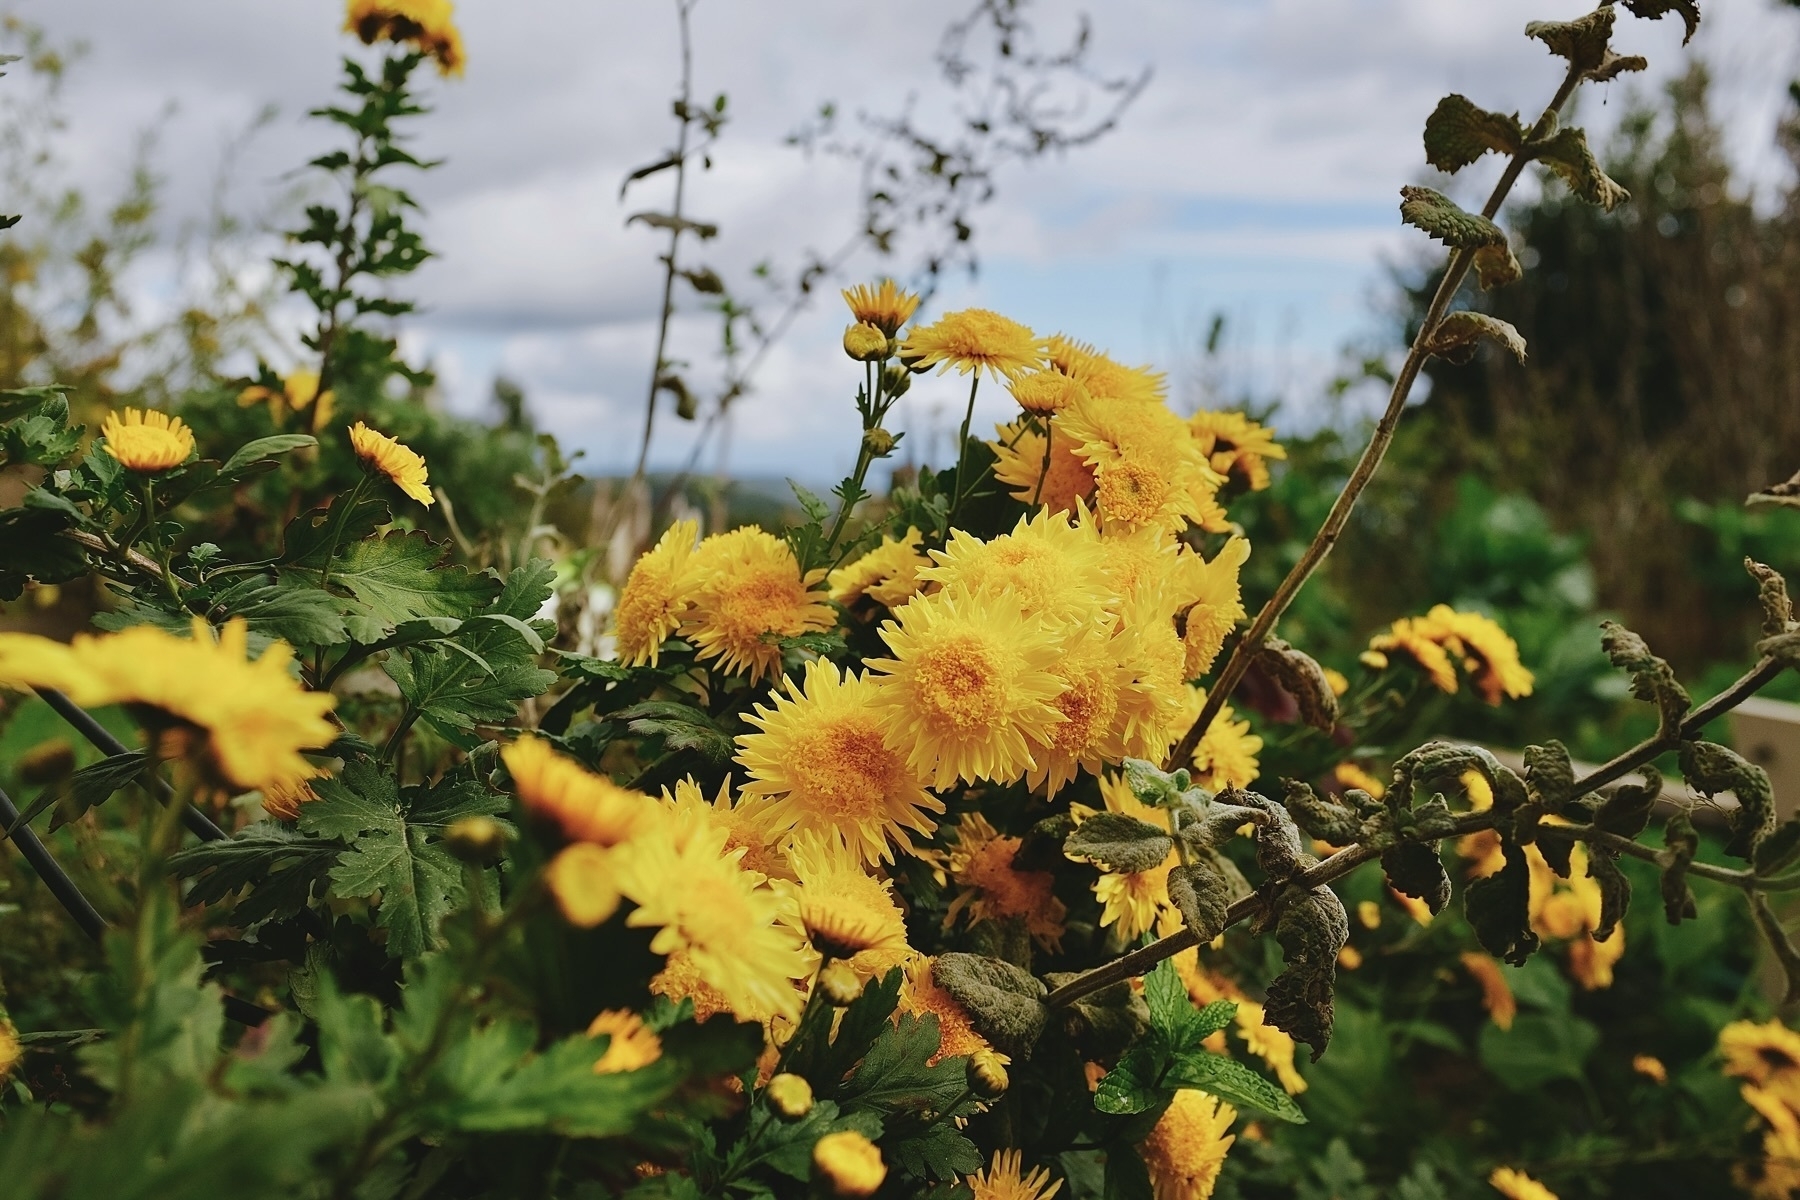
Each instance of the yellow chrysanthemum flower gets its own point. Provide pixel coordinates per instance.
(1569, 909)
(886, 307)
(1352, 775)
(1187, 1149)
(1094, 680)
(850, 1163)
(970, 688)
(1147, 469)
(429, 25)
(1496, 993)
(992, 889)
(656, 596)
(1006, 1179)
(632, 1046)
(383, 455)
(846, 912)
(1135, 901)
(255, 716)
(920, 994)
(753, 825)
(888, 574)
(975, 339)
(1019, 464)
(680, 979)
(1767, 1054)
(706, 907)
(1155, 700)
(588, 807)
(1489, 655)
(1104, 377)
(147, 441)
(299, 392)
(823, 755)
(1236, 445)
(1214, 602)
(1274, 1046)
(583, 880)
(748, 591)
(1777, 1175)
(1051, 567)
(1226, 755)
(1517, 1185)
(11, 1051)
(1041, 393)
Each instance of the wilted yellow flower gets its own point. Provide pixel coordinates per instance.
(1104, 377)
(1496, 993)
(847, 913)
(1517, 1185)
(850, 1163)
(823, 755)
(748, 591)
(256, 717)
(583, 880)
(381, 453)
(1041, 393)
(147, 441)
(1006, 1179)
(1186, 1151)
(429, 25)
(588, 807)
(1650, 1067)
(888, 574)
(886, 307)
(974, 339)
(968, 692)
(992, 889)
(633, 1044)
(298, 393)
(1233, 443)
(1019, 464)
(921, 994)
(655, 596)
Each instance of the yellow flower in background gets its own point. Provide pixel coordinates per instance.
(1234, 444)
(1019, 464)
(748, 591)
(1226, 755)
(1186, 1151)
(974, 339)
(430, 25)
(1133, 900)
(588, 807)
(1214, 602)
(850, 1163)
(1766, 1054)
(299, 393)
(823, 756)
(583, 879)
(968, 694)
(1147, 470)
(403, 467)
(1104, 377)
(1041, 393)
(1570, 909)
(655, 596)
(1516, 1185)
(921, 994)
(1414, 636)
(1270, 1044)
(865, 343)
(11, 1051)
(1496, 993)
(1051, 568)
(254, 715)
(1443, 638)
(708, 909)
(1651, 1068)
(1353, 776)
(147, 441)
(633, 1044)
(1006, 1179)
(888, 574)
(1777, 1175)
(848, 913)
(752, 824)
(991, 888)
(885, 306)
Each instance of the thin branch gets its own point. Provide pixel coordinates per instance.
(131, 558)
(1454, 273)
(51, 872)
(197, 822)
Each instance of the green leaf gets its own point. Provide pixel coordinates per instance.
(940, 1152)
(1537, 1050)
(402, 576)
(1710, 769)
(305, 540)
(1126, 1176)
(282, 867)
(1202, 895)
(1134, 1085)
(1566, 152)
(1498, 908)
(1173, 1015)
(1457, 335)
(1457, 133)
(92, 785)
(1439, 216)
(681, 727)
(395, 847)
(1582, 41)
(1005, 1002)
(1312, 928)
(1615, 889)
(293, 609)
(1103, 1023)
(1322, 817)
(1652, 680)
(33, 550)
(263, 449)
(1116, 842)
(1232, 1082)
(1627, 807)
(897, 1075)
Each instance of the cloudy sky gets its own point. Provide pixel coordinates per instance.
(1256, 176)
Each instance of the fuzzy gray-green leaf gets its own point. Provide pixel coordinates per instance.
(1441, 217)
(1566, 152)
(1116, 842)
(1458, 132)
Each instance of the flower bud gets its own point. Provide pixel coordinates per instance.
(479, 840)
(878, 442)
(850, 1163)
(865, 343)
(840, 983)
(1041, 393)
(895, 379)
(789, 1095)
(987, 1074)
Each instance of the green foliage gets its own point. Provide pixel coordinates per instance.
(1439, 216)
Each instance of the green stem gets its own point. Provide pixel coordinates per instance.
(1044, 473)
(962, 455)
(337, 528)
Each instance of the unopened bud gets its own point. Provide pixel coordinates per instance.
(895, 379)
(840, 983)
(479, 840)
(1044, 392)
(878, 442)
(865, 343)
(987, 1074)
(789, 1095)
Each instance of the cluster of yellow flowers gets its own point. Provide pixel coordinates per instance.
(1444, 638)
(430, 25)
(1767, 1058)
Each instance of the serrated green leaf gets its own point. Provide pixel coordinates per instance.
(1133, 1085)
(680, 726)
(293, 609)
(1232, 1082)
(897, 1074)
(1566, 152)
(1458, 132)
(1117, 842)
(1458, 334)
(403, 576)
(1438, 215)
(282, 868)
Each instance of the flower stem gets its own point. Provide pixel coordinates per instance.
(962, 455)
(337, 528)
(1044, 473)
